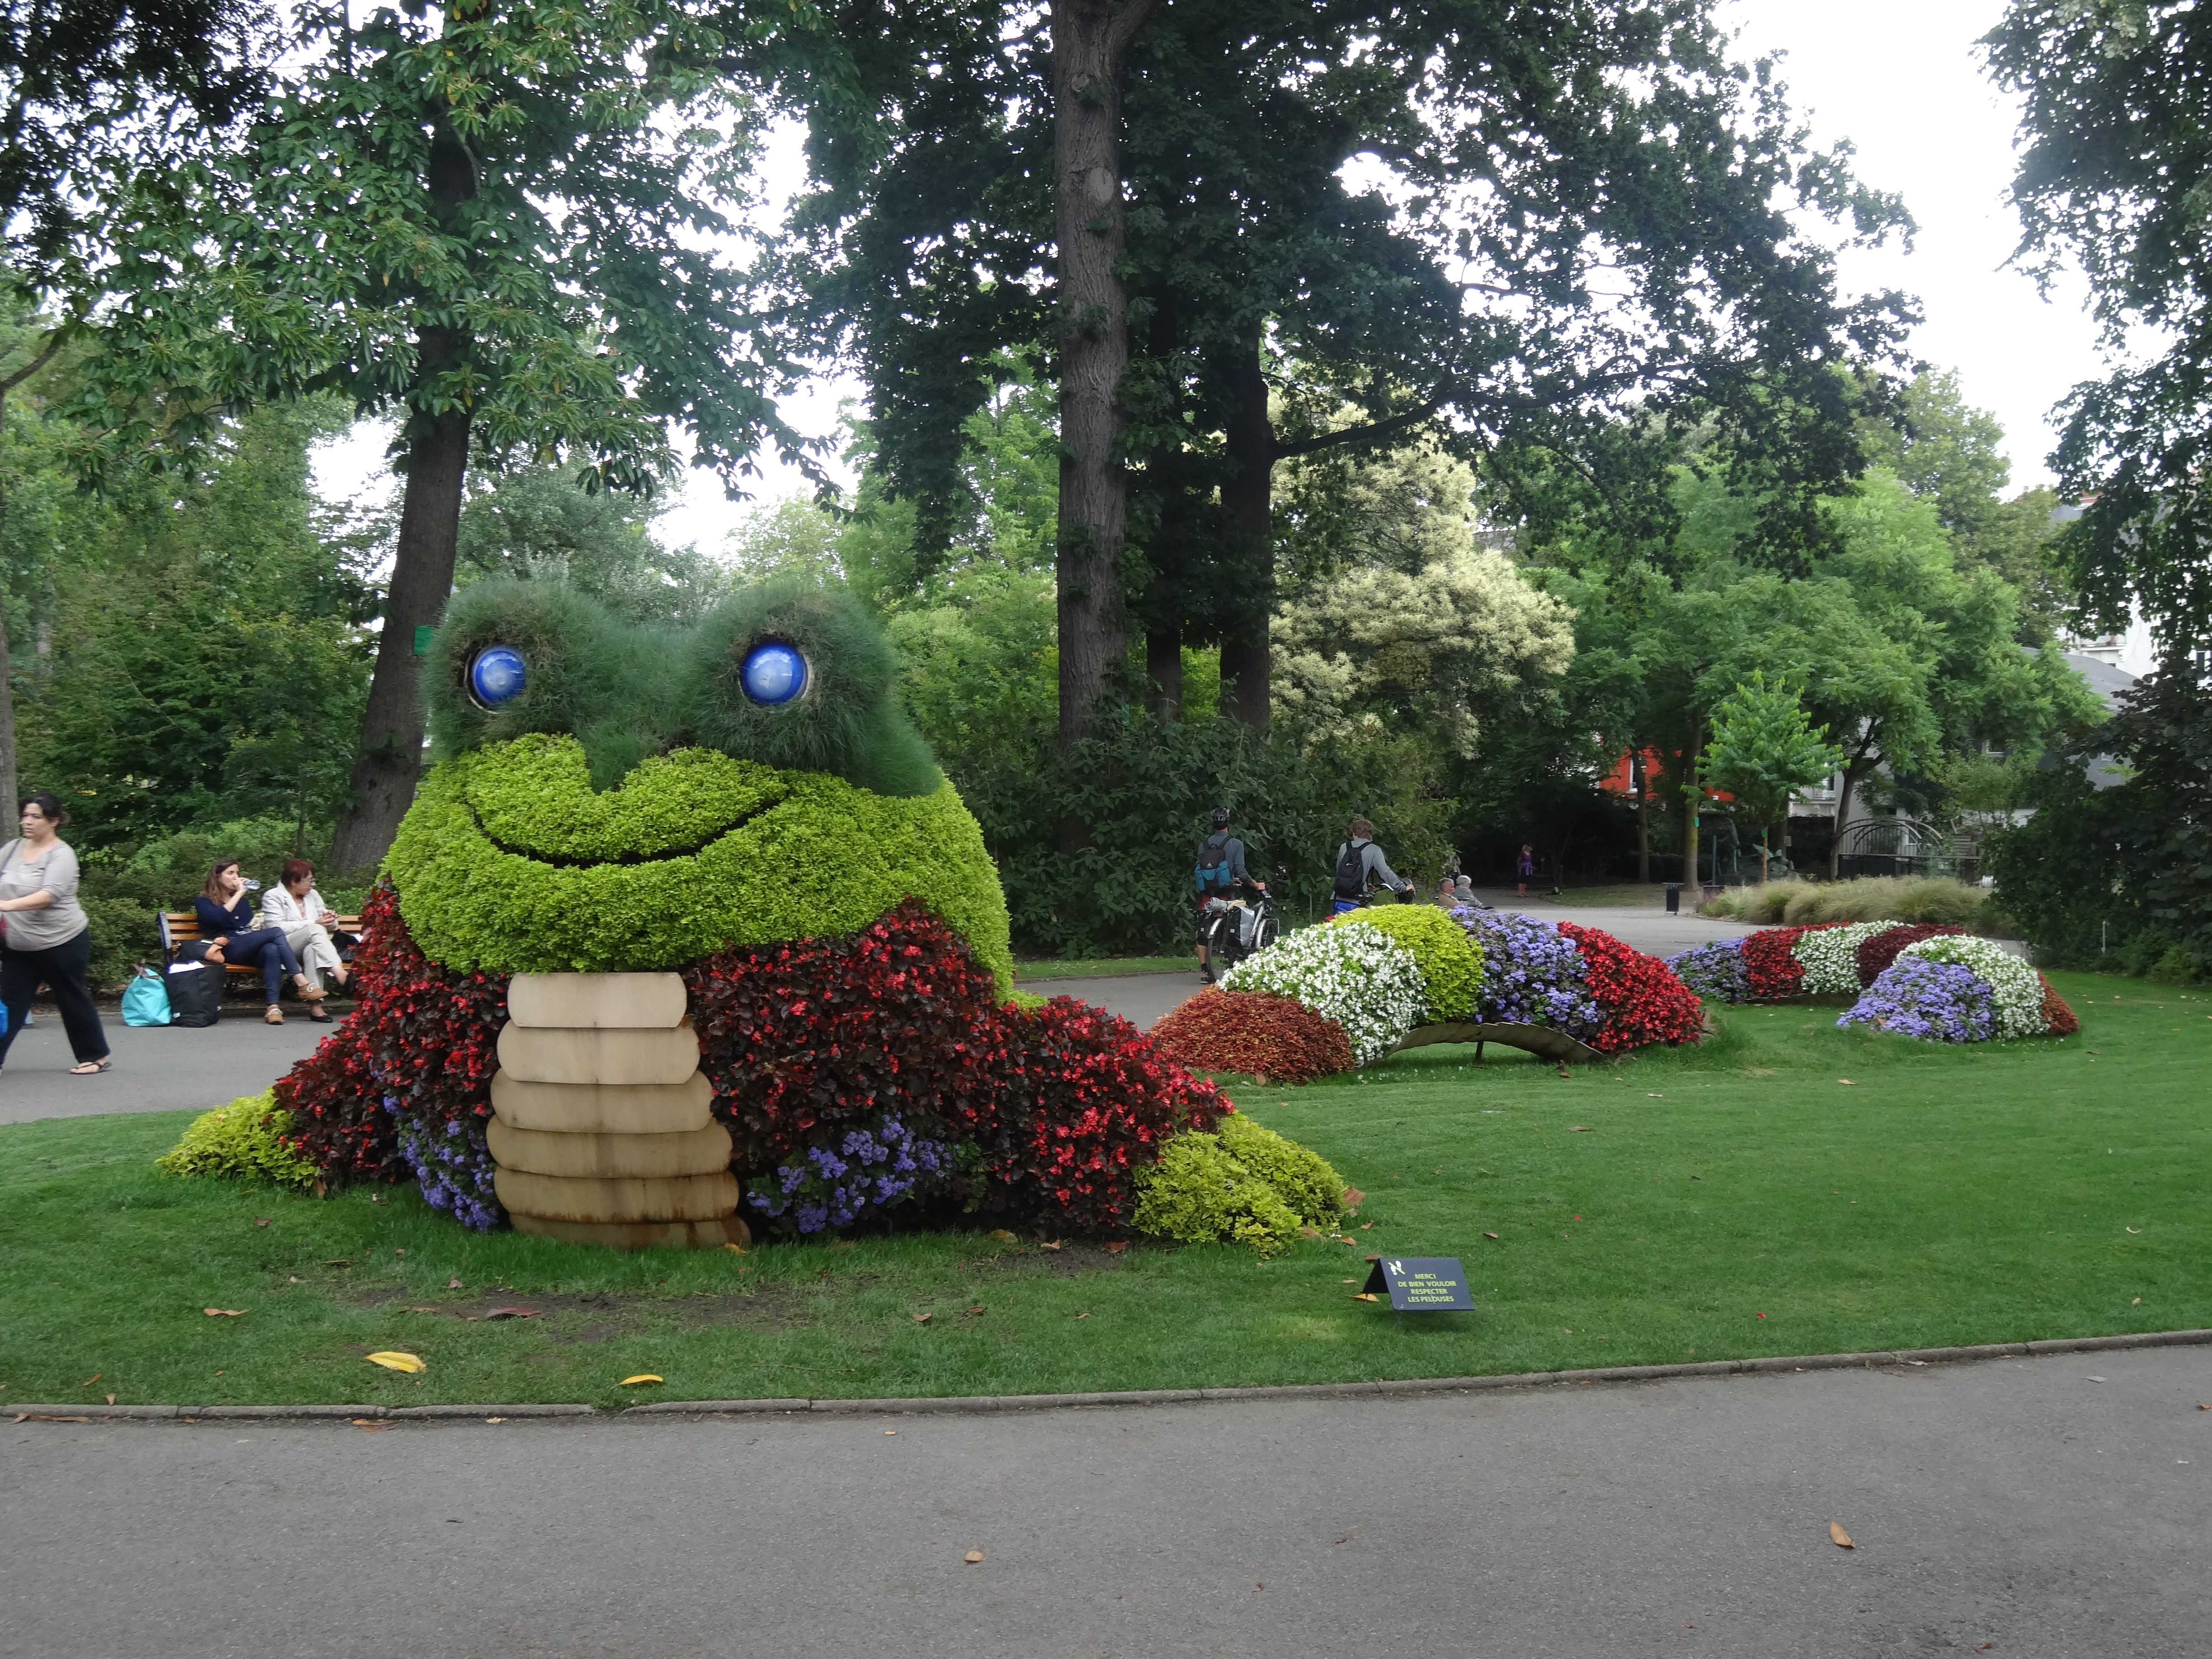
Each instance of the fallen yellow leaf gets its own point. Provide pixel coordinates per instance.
(223, 1313)
(1848, 1083)
(972, 1557)
(1839, 1538)
(642, 1377)
(738, 1248)
(395, 1359)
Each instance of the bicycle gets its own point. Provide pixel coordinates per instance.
(1238, 929)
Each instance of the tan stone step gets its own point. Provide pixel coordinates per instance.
(570, 1197)
(642, 1235)
(604, 1108)
(695, 1152)
(595, 1001)
(570, 1055)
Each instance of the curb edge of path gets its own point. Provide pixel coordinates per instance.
(973, 1404)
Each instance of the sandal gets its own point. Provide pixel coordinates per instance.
(92, 1068)
(274, 1017)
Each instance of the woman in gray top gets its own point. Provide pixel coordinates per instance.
(47, 936)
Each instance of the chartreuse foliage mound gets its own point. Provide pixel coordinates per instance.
(510, 861)
(245, 1138)
(1449, 960)
(1241, 1184)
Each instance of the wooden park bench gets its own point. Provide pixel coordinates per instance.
(183, 927)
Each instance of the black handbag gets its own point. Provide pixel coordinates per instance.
(195, 987)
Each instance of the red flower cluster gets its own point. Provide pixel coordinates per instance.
(1878, 951)
(1641, 998)
(2061, 1019)
(1256, 1033)
(899, 1017)
(422, 1036)
(1083, 1101)
(1771, 972)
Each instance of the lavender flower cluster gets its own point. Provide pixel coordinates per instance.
(1532, 973)
(856, 1170)
(452, 1165)
(1934, 1001)
(1714, 971)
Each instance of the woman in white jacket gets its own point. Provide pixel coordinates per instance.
(295, 906)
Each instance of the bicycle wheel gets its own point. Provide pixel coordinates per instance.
(1266, 933)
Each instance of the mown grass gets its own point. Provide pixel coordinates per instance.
(1736, 1200)
(1104, 967)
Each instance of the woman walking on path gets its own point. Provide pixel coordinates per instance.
(226, 917)
(48, 938)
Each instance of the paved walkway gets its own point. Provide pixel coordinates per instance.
(2056, 1507)
(164, 1068)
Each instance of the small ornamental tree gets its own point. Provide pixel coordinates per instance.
(492, 222)
(1763, 751)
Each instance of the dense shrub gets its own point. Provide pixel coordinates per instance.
(1351, 973)
(1715, 972)
(1272, 1038)
(1532, 973)
(1244, 1184)
(1449, 959)
(820, 859)
(1877, 951)
(1934, 1001)
(1901, 898)
(898, 1018)
(2059, 1019)
(1642, 1000)
(2017, 988)
(245, 1138)
(1081, 1102)
(851, 1172)
(405, 1085)
(1306, 1181)
(1829, 957)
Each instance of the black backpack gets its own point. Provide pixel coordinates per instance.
(1213, 862)
(1351, 872)
(194, 988)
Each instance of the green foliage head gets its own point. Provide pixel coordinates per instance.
(1449, 959)
(629, 690)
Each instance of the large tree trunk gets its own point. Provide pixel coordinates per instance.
(1247, 500)
(1090, 41)
(389, 759)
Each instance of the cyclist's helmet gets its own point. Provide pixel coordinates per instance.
(1221, 818)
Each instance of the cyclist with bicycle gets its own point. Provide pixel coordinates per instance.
(1360, 866)
(1221, 875)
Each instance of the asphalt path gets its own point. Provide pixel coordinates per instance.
(2054, 1507)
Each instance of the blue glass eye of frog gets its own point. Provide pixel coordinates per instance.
(773, 673)
(496, 676)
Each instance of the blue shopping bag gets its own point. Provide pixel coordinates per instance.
(145, 999)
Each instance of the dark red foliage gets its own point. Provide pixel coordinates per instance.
(1771, 971)
(1877, 951)
(1082, 1101)
(1261, 1035)
(2061, 1019)
(899, 1017)
(422, 1036)
(1643, 998)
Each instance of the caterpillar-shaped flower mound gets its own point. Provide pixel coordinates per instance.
(1368, 980)
(1776, 964)
(1954, 989)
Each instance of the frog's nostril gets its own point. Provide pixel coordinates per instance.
(773, 673)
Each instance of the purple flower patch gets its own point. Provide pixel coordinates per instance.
(452, 1165)
(1532, 973)
(1714, 971)
(853, 1171)
(1934, 1001)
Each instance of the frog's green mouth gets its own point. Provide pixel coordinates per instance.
(568, 861)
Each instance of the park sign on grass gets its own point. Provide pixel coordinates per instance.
(1421, 1283)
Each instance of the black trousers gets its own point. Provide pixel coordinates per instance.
(62, 966)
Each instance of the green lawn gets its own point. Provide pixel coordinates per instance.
(1104, 967)
(1733, 1200)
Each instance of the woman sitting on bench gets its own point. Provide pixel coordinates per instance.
(296, 909)
(226, 917)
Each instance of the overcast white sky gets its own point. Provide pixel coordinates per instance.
(1903, 83)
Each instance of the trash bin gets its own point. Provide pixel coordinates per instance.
(1674, 898)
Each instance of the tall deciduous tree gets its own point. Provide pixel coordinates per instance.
(1763, 751)
(498, 222)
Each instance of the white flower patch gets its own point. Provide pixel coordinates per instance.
(1830, 958)
(2018, 987)
(1349, 972)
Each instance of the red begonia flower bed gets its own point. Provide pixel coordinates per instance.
(1643, 998)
